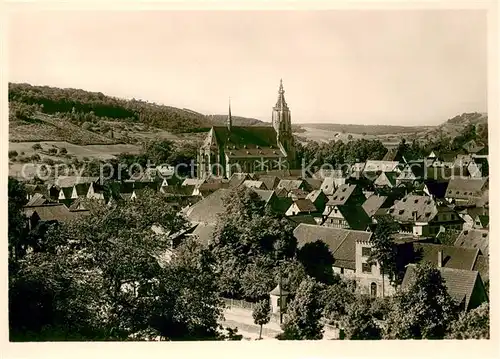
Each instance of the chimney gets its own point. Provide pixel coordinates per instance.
(440, 259)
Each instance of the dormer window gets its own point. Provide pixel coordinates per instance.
(401, 211)
(416, 201)
(343, 189)
(404, 199)
(484, 235)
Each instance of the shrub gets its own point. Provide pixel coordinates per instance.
(52, 151)
(63, 151)
(13, 154)
(37, 146)
(35, 157)
(49, 161)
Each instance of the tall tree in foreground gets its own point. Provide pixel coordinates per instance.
(474, 324)
(422, 310)
(359, 322)
(303, 319)
(261, 314)
(383, 250)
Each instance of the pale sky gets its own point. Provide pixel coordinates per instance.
(412, 67)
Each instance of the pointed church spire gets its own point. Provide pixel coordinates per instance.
(229, 118)
(281, 103)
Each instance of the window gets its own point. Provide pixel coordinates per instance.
(373, 290)
(366, 268)
(366, 251)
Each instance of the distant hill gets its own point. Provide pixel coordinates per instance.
(220, 120)
(456, 125)
(81, 106)
(365, 129)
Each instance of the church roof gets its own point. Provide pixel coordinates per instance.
(251, 136)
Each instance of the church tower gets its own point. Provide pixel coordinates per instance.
(229, 118)
(283, 125)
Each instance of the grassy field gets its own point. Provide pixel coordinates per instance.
(324, 135)
(91, 151)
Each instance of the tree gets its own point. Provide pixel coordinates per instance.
(63, 151)
(424, 309)
(256, 282)
(474, 324)
(261, 314)
(359, 321)
(317, 261)
(13, 154)
(36, 146)
(247, 234)
(336, 298)
(16, 221)
(303, 320)
(188, 306)
(383, 250)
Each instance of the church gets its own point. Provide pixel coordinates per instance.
(233, 149)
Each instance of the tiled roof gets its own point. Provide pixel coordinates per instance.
(38, 199)
(453, 257)
(281, 192)
(70, 181)
(302, 218)
(459, 283)
(383, 166)
(464, 188)
(355, 217)
(290, 184)
(474, 239)
(313, 196)
(305, 205)
(414, 208)
(264, 194)
(341, 242)
(207, 188)
(252, 136)
(254, 184)
(193, 182)
(341, 195)
(177, 190)
(207, 210)
(482, 266)
(373, 204)
(326, 173)
(386, 179)
(314, 183)
(269, 181)
(259, 152)
(204, 233)
(52, 212)
(297, 193)
(328, 186)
